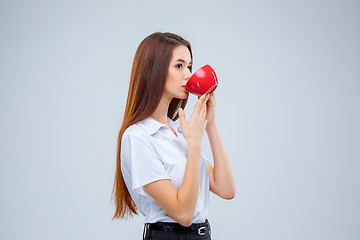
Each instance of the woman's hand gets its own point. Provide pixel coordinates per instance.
(210, 114)
(194, 129)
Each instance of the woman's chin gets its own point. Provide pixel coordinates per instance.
(185, 95)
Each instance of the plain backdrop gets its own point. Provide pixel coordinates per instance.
(287, 109)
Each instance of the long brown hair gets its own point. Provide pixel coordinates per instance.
(147, 83)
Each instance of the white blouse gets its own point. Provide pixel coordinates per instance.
(150, 151)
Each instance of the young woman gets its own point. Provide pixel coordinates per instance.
(160, 168)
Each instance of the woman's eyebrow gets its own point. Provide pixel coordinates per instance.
(181, 60)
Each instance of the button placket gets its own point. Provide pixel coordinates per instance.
(178, 138)
(179, 129)
(182, 140)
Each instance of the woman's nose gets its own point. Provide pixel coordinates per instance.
(188, 75)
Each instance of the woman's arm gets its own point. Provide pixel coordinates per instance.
(180, 204)
(220, 175)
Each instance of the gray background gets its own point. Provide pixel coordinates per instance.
(287, 108)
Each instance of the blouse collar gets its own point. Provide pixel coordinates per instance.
(152, 126)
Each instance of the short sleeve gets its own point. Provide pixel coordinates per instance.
(141, 162)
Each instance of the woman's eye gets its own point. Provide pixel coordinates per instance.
(179, 65)
(189, 67)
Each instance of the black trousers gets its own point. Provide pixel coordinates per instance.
(175, 231)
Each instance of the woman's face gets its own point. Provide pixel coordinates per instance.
(179, 73)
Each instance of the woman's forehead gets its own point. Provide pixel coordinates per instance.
(181, 53)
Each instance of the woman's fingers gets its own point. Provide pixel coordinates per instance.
(200, 107)
(203, 107)
(199, 104)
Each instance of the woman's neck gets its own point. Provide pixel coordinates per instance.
(160, 113)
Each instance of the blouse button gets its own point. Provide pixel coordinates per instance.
(179, 129)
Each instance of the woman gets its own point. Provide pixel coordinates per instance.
(160, 168)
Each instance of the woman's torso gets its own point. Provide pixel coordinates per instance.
(170, 153)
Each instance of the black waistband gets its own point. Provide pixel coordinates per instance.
(199, 228)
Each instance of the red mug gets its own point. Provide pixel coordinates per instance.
(204, 80)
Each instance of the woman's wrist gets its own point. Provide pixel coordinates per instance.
(194, 146)
(211, 127)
